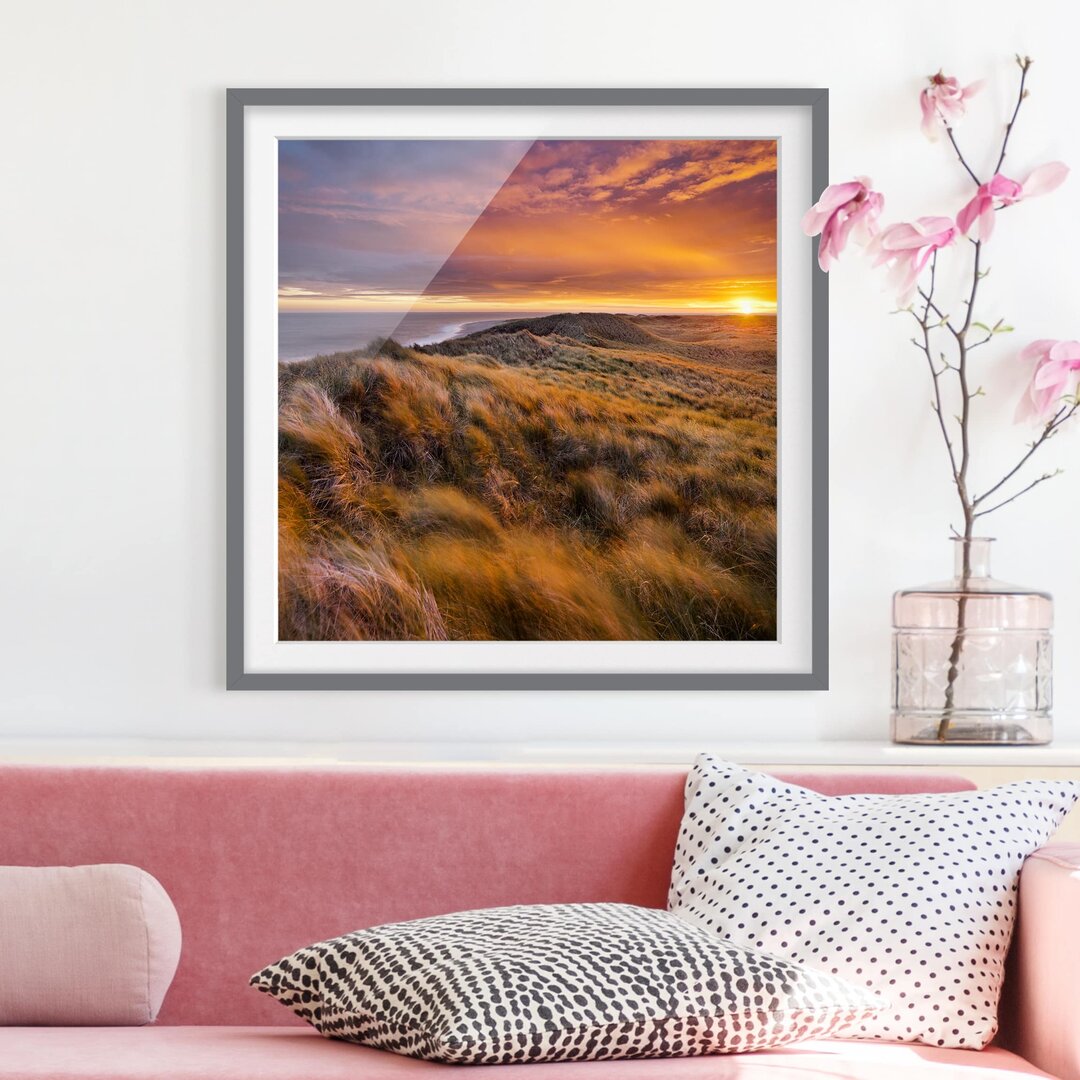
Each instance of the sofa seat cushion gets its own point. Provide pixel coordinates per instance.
(288, 1053)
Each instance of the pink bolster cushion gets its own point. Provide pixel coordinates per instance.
(84, 945)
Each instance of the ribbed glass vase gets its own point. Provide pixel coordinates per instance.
(972, 658)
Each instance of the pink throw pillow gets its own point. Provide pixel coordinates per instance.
(84, 945)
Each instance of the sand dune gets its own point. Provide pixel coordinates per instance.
(568, 477)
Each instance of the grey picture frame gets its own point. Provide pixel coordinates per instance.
(237, 677)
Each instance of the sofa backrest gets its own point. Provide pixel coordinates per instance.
(260, 861)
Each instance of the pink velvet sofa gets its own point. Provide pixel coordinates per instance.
(261, 860)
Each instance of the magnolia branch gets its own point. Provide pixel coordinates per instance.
(959, 155)
(1022, 491)
(852, 209)
(935, 374)
(1062, 416)
(970, 505)
(1025, 65)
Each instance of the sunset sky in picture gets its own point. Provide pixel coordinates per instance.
(493, 224)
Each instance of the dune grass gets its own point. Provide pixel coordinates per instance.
(566, 482)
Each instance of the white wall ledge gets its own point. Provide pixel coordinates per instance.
(848, 754)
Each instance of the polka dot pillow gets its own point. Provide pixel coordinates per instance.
(912, 896)
(556, 983)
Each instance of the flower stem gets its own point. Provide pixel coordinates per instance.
(958, 639)
(1025, 64)
(967, 506)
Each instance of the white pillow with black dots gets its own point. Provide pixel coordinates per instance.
(910, 896)
(556, 982)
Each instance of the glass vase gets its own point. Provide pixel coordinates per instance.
(972, 658)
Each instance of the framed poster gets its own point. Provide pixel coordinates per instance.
(527, 389)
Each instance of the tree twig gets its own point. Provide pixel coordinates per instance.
(1063, 414)
(1024, 65)
(931, 306)
(1013, 498)
(956, 146)
(935, 375)
(965, 397)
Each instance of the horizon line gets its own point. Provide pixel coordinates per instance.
(752, 309)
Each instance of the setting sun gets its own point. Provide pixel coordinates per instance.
(746, 307)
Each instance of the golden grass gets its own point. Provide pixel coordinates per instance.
(529, 486)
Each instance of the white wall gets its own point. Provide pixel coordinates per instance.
(112, 314)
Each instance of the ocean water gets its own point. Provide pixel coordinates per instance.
(302, 334)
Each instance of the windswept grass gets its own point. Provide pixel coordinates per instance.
(572, 478)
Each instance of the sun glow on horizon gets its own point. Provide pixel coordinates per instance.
(627, 305)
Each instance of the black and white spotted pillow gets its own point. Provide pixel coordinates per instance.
(557, 982)
(910, 895)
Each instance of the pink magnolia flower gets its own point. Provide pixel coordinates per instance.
(843, 209)
(907, 247)
(1055, 365)
(944, 102)
(1000, 191)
